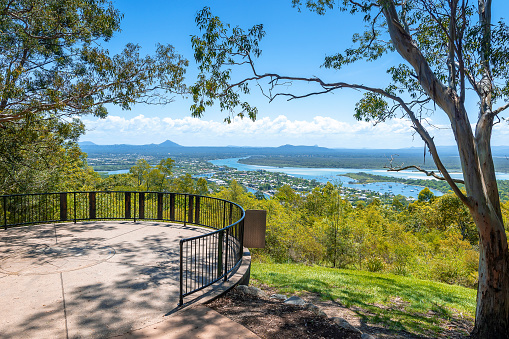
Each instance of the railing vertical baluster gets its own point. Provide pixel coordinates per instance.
(226, 256)
(220, 255)
(181, 282)
(134, 199)
(5, 212)
(74, 206)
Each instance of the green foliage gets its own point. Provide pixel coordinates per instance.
(52, 63)
(434, 239)
(141, 171)
(372, 107)
(53, 70)
(186, 184)
(425, 195)
(118, 182)
(216, 48)
(35, 156)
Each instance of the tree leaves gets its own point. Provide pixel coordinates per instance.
(51, 60)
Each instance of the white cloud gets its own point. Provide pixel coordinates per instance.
(266, 131)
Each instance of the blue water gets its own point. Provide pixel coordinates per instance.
(118, 172)
(333, 175)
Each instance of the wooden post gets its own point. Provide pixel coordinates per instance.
(255, 225)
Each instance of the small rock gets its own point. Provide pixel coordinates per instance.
(251, 290)
(315, 309)
(257, 292)
(294, 301)
(279, 297)
(243, 289)
(342, 323)
(367, 336)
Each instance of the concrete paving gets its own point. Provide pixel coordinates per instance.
(102, 279)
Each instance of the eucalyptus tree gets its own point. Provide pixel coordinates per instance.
(54, 67)
(450, 50)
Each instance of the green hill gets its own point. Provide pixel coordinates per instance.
(398, 303)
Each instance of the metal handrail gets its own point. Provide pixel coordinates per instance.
(204, 259)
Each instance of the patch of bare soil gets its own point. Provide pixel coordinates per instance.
(269, 318)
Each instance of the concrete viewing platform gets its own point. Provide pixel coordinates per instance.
(102, 279)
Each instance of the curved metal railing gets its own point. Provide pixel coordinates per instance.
(204, 259)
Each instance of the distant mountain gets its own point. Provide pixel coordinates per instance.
(169, 143)
(174, 149)
(86, 143)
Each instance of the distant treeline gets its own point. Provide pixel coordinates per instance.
(364, 178)
(372, 160)
(442, 186)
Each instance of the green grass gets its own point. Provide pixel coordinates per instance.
(399, 303)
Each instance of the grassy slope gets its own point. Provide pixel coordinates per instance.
(400, 303)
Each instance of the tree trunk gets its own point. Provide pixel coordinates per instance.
(492, 313)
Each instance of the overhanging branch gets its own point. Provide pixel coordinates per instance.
(428, 173)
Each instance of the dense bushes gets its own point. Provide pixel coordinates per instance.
(433, 239)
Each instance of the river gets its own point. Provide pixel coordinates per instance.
(334, 175)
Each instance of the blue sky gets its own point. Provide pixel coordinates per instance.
(296, 44)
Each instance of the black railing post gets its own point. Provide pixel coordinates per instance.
(159, 206)
(190, 209)
(181, 295)
(172, 206)
(74, 206)
(5, 212)
(134, 210)
(63, 206)
(141, 197)
(92, 208)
